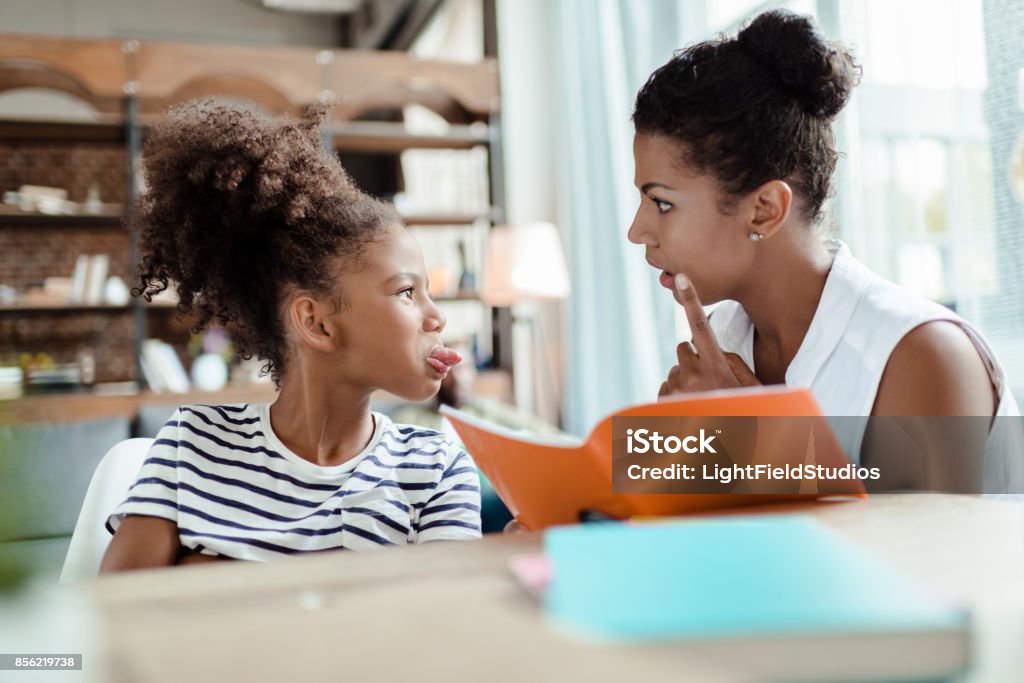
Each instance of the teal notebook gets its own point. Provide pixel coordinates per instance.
(768, 580)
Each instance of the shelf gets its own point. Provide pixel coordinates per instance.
(88, 405)
(373, 136)
(351, 136)
(107, 129)
(460, 296)
(9, 216)
(12, 216)
(445, 219)
(73, 309)
(7, 309)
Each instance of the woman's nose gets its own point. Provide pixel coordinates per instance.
(638, 233)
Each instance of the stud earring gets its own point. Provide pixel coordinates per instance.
(756, 237)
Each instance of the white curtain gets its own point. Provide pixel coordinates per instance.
(620, 327)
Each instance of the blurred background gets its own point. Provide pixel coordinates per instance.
(500, 130)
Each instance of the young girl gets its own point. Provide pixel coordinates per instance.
(259, 226)
(734, 155)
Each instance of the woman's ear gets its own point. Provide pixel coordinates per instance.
(310, 323)
(772, 203)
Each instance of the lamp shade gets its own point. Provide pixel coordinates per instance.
(524, 263)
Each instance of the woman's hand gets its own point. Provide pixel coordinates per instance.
(702, 363)
(514, 527)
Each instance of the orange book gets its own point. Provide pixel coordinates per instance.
(763, 445)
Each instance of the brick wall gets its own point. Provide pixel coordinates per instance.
(74, 166)
(107, 336)
(31, 252)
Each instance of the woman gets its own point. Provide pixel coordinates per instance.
(734, 155)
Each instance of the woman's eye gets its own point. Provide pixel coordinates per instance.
(663, 207)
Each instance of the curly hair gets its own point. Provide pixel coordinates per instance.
(241, 208)
(755, 107)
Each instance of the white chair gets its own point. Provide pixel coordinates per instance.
(107, 489)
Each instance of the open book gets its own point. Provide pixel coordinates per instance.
(763, 445)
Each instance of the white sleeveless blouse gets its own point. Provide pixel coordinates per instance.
(860, 319)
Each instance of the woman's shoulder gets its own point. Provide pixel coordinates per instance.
(936, 369)
(878, 300)
(932, 360)
(882, 300)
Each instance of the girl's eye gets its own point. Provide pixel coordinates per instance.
(407, 292)
(663, 207)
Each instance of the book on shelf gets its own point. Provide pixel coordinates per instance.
(162, 368)
(89, 281)
(152, 377)
(79, 279)
(96, 281)
(772, 434)
(12, 380)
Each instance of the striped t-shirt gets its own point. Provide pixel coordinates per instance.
(233, 489)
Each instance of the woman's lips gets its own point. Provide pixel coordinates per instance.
(666, 278)
(442, 359)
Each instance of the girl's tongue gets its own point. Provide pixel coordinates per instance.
(443, 358)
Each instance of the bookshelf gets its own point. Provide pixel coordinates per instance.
(128, 84)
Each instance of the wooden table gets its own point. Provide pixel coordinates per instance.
(453, 612)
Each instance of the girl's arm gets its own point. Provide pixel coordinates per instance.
(142, 542)
(453, 511)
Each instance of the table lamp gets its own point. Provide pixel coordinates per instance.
(524, 264)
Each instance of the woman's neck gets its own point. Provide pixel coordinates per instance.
(781, 299)
(322, 421)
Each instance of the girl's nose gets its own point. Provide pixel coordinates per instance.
(435, 320)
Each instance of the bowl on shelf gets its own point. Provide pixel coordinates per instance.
(63, 377)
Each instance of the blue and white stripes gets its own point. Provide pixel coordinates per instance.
(233, 489)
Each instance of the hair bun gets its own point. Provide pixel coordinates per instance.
(819, 73)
